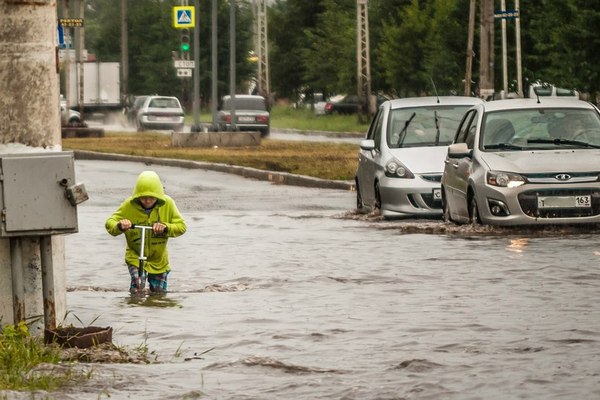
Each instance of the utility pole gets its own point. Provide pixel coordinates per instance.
(470, 53)
(124, 54)
(518, 40)
(214, 73)
(262, 48)
(232, 88)
(504, 52)
(486, 45)
(29, 98)
(367, 105)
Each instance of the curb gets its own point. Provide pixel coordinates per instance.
(282, 178)
(356, 135)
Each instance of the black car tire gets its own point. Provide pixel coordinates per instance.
(360, 205)
(474, 212)
(377, 197)
(265, 132)
(445, 208)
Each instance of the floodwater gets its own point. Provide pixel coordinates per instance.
(282, 292)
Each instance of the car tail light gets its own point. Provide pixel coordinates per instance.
(228, 119)
(328, 107)
(263, 119)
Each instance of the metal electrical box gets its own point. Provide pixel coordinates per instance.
(36, 194)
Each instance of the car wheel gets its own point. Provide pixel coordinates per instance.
(445, 208)
(265, 132)
(474, 211)
(377, 197)
(140, 127)
(360, 205)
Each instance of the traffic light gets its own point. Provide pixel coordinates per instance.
(185, 40)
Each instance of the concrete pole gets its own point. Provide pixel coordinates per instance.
(232, 71)
(470, 53)
(30, 121)
(486, 49)
(196, 96)
(214, 73)
(518, 40)
(124, 53)
(504, 53)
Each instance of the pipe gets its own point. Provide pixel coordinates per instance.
(16, 262)
(48, 282)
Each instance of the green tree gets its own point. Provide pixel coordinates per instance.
(153, 39)
(330, 58)
(401, 51)
(288, 22)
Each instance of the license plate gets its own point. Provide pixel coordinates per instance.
(246, 119)
(565, 201)
(164, 118)
(437, 194)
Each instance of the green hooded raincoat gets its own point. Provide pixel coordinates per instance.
(165, 211)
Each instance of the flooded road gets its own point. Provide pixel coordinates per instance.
(282, 292)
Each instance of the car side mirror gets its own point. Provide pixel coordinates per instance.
(459, 150)
(367, 144)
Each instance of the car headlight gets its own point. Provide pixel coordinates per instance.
(395, 169)
(505, 179)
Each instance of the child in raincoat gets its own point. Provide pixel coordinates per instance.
(150, 206)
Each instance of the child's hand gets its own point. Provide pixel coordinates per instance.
(124, 225)
(159, 228)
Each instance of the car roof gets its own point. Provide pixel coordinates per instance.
(433, 101)
(543, 102)
(244, 96)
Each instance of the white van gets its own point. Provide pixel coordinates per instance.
(552, 91)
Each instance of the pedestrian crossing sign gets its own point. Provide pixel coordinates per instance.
(183, 17)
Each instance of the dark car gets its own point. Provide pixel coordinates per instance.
(250, 114)
(349, 104)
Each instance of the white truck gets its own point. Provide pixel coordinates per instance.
(101, 88)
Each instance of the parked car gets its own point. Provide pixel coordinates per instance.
(525, 162)
(402, 158)
(132, 111)
(68, 117)
(251, 114)
(160, 112)
(349, 104)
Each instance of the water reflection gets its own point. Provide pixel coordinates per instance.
(517, 245)
(152, 300)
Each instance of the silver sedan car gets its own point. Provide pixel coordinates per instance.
(402, 157)
(525, 162)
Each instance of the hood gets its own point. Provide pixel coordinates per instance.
(422, 160)
(149, 184)
(539, 161)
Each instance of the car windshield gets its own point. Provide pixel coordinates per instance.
(551, 128)
(424, 126)
(163, 102)
(245, 104)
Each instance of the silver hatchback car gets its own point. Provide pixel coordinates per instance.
(525, 162)
(402, 157)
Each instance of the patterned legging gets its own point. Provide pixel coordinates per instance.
(157, 282)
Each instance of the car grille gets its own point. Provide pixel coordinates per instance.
(430, 201)
(432, 177)
(528, 202)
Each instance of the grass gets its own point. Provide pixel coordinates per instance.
(21, 353)
(305, 119)
(337, 161)
(286, 117)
